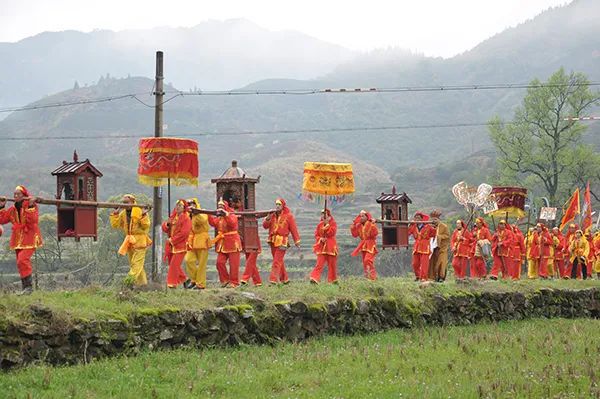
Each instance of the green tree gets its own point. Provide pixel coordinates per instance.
(540, 147)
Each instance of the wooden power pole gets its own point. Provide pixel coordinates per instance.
(157, 195)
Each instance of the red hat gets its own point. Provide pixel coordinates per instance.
(482, 221)
(424, 217)
(23, 190)
(281, 201)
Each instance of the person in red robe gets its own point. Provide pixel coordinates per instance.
(501, 251)
(542, 247)
(178, 228)
(422, 233)
(325, 248)
(228, 245)
(26, 236)
(481, 237)
(251, 272)
(559, 253)
(461, 248)
(280, 224)
(364, 228)
(518, 252)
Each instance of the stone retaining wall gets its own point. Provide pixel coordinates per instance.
(52, 339)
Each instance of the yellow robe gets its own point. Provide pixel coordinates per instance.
(197, 255)
(596, 244)
(532, 265)
(579, 248)
(136, 241)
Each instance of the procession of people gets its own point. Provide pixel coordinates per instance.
(544, 251)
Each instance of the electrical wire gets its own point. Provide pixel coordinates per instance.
(406, 89)
(360, 129)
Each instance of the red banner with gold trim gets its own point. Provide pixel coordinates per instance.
(163, 158)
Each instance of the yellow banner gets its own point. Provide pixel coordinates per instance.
(328, 178)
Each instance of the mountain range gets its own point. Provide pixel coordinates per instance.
(416, 156)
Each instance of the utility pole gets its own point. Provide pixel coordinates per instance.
(158, 132)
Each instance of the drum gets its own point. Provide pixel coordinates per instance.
(486, 248)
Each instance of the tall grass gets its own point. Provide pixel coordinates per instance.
(528, 359)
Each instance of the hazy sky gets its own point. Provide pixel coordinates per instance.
(434, 27)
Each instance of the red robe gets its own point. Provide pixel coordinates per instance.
(178, 231)
(478, 234)
(228, 237)
(327, 232)
(461, 243)
(280, 227)
(502, 241)
(367, 233)
(422, 237)
(25, 230)
(541, 245)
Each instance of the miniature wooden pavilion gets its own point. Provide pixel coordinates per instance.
(394, 207)
(239, 191)
(77, 180)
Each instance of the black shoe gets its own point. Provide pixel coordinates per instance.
(286, 282)
(191, 286)
(242, 282)
(26, 284)
(186, 283)
(314, 282)
(493, 278)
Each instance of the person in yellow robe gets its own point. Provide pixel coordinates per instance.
(135, 223)
(579, 251)
(596, 246)
(198, 244)
(532, 266)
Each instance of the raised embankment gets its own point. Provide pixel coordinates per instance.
(39, 333)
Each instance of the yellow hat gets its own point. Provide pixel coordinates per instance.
(195, 202)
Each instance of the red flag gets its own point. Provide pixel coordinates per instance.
(587, 222)
(572, 209)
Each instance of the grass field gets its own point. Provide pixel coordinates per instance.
(102, 303)
(528, 359)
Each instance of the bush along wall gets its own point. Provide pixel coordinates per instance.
(55, 339)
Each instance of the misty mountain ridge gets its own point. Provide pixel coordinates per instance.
(424, 160)
(212, 55)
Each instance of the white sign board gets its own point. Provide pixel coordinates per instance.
(548, 213)
(489, 206)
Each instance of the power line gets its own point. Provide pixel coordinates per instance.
(77, 102)
(257, 132)
(405, 89)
